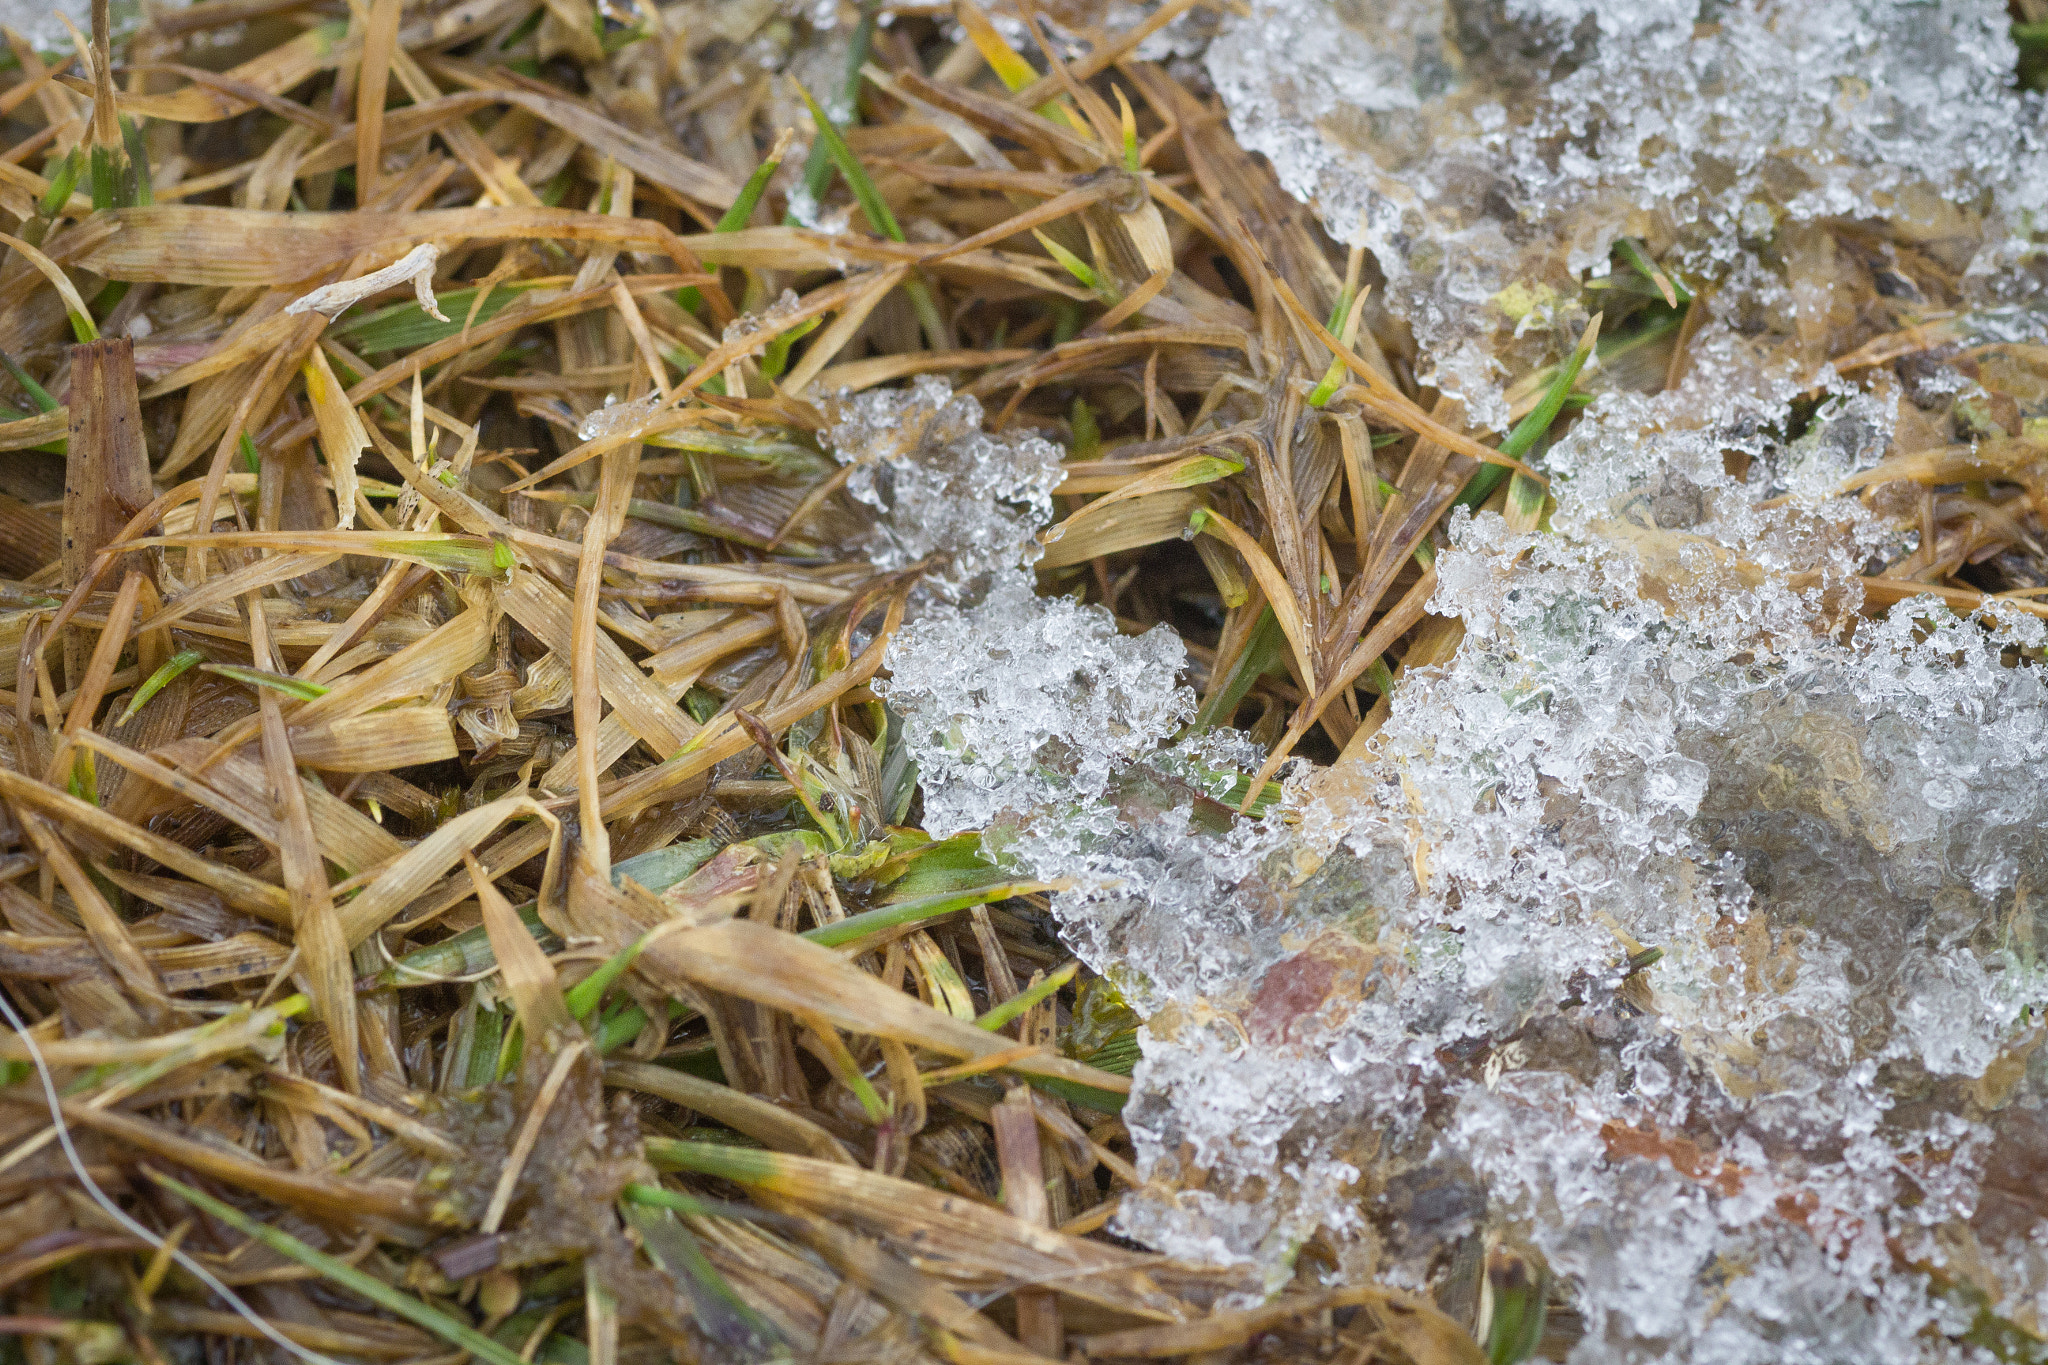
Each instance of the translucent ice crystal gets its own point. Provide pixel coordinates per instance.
(943, 485)
(1022, 702)
(1721, 1150)
(1475, 145)
(614, 418)
(1683, 930)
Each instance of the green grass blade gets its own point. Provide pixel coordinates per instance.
(1119, 1056)
(912, 911)
(276, 682)
(776, 358)
(1262, 652)
(1086, 432)
(699, 523)
(487, 1043)
(1204, 469)
(735, 218)
(1673, 292)
(177, 666)
(864, 192)
(1538, 421)
(1074, 1092)
(741, 1165)
(622, 1026)
(457, 1334)
(818, 164)
(1002, 1014)
(1520, 1293)
(138, 161)
(724, 1316)
(657, 1197)
(403, 327)
(586, 994)
(469, 952)
(85, 780)
(1077, 267)
(62, 182)
(36, 392)
(106, 179)
(1333, 378)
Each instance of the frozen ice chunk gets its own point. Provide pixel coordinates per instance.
(764, 324)
(1639, 938)
(1021, 702)
(1489, 152)
(614, 418)
(945, 488)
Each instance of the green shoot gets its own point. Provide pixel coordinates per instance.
(1078, 268)
(586, 994)
(140, 191)
(1518, 1298)
(724, 1315)
(1262, 653)
(864, 192)
(994, 1018)
(1334, 375)
(106, 179)
(178, 665)
(915, 911)
(1087, 434)
(1129, 120)
(689, 1204)
(743, 207)
(1538, 421)
(36, 392)
(818, 165)
(776, 358)
(85, 780)
(1066, 320)
(458, 1334)
(297, 688)
(63, 180)
(876, 208)
(1674, 293)
(450, 554)
(403, 327)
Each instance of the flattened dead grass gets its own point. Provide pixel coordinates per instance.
(460, 887)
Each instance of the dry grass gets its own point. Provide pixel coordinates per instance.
(473, 851)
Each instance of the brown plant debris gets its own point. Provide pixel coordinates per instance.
(432, 609)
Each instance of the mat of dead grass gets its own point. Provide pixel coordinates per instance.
(462, 897)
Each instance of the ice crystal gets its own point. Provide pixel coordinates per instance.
(1683, 930)
(613, 418)
(1022, 702)
(764, 324)
(943, 485)
(1491, 150)
(1831, 848)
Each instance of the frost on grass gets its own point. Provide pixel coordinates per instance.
(1022, 704)
(1681, 932)
(1771, 1132)
(943, 485)
(1684, 930)
(1490, 151)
